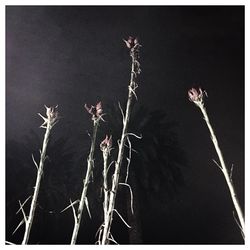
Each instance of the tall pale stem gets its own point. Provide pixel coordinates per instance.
(115, 182)
(90, 166)
(224, 170)
(29, 222)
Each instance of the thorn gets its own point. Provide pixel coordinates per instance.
(9, 243)
(34, 161)
(133, 91)
(112, 238)
(231, 173)
(123, 117)
(24, 215)
(23, 204)
(122, 218)
(89, 134)
(71, 204)
(45, 119)
(217, 165)
(87, 206)
(113, 241)
(19, 225)
(237, 222)
(74, 211)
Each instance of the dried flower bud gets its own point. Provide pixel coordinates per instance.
(95, 111)
(52, 116)
(196, 96)
(106, 144)
(52, 113)
(131, 42)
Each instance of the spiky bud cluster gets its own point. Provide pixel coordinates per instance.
(96, 111)
(196, 96)
(52, 116)
(106, 144)
(131, 42)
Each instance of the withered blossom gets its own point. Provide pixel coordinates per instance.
(131, 42)
(96, 111)
(106, 144)
(195, 95)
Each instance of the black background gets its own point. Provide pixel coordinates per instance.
(75, 55)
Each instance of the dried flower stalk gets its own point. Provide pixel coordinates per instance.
(96, 112)
(134, 46)
(197, 98)
(48, 124)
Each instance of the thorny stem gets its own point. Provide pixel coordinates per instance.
(28, 223)
(115, 179)
(105, 186)
(90, 166)
(105, 180)
(224, 169)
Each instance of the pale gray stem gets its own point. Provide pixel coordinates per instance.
(29, 222)
(105, 188)
(224, 169)
(105, 183)
(90, 166)
(115, 181)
